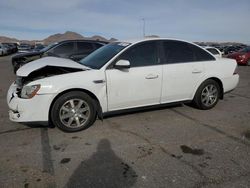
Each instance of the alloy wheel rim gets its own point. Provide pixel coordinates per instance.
(209, 95)
(74, 113)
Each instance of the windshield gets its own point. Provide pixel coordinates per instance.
(48, 47)
(101, 56)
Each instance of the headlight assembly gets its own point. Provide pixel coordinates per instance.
(30, 91)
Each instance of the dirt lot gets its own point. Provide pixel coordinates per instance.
(176, 146)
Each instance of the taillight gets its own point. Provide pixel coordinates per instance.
(242, 56)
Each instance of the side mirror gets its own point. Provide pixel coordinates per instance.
(122, 64)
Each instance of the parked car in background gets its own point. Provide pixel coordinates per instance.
(11, 47)
(15, 47)
(242, 57)
(230, 49)
(38, 48)
(3, 49)
(216, 52)
(23, 48)
(72, 49)
(8, 48)
(119, 76)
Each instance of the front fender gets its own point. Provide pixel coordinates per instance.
(85, 81)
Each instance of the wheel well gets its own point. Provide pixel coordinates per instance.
(220, 84)
(98, 106)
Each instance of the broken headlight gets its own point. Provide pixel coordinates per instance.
(30, 91)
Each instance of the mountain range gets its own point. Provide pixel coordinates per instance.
(68, 35)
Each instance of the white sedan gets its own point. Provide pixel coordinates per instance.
(119, 76)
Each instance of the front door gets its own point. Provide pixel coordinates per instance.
(139, 85)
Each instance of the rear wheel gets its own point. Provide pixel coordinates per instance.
(207, 95)
(73, 111)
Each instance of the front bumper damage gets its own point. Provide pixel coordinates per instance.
(28, 110)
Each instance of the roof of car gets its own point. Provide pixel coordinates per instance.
(133, 41)
(82, 40)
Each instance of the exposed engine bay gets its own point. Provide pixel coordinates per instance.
(44, 72)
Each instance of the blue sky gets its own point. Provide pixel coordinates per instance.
(194, 20)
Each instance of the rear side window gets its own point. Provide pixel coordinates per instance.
(201, 55)
(177, 52)
(85, 47)
(144, 54)
(182, 52)
(64, 48)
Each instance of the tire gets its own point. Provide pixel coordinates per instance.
(207, 95)
(73, 111)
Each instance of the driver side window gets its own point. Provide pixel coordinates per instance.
(144, 54)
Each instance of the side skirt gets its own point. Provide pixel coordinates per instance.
(144, 109)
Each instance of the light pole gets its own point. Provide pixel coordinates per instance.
(144, 23)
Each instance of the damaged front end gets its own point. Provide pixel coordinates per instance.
(44, 72)
(26, 98)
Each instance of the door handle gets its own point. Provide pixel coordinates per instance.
(196, 71)
(151, 76)
(99, 81)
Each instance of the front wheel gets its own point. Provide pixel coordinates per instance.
(73, 111)
(207, 95)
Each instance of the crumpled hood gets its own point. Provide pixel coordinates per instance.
(48, 61)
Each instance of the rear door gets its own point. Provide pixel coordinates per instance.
(139, 85)
(183, 67)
